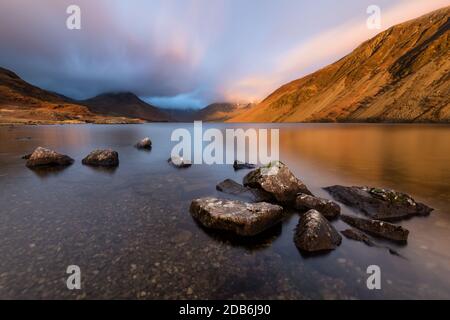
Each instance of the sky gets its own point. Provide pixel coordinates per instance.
(186, 53)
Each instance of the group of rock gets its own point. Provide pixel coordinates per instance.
(269, 193)
(42, 157)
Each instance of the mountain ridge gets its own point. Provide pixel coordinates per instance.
(400, 75)
(24, 103)
(125, 104)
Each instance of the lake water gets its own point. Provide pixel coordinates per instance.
(131, 233)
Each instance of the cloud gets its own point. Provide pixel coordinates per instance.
(180, 101)
(105, 55)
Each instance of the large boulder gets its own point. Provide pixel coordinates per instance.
(379, 204)
(278, 180)
(378, 228)
(42, 157)
(102, 158)
(328, 208)
(145, 143)
(314, 233)
(236, 189)
(244, 219)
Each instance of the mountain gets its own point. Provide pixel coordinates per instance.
(215, 112)
(219, 112)
(21, 102)
(400, 75)
(125, 104)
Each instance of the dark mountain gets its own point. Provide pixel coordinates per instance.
(125, 104)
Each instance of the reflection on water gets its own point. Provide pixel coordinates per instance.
(45, 172)
(131, 233)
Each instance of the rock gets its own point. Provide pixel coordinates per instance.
(179, 162)
(45, 157)
(379, 204)
(145, 143)
(314, 233)
(102, 158)
(27, 156)
(238, 165)
(278, 180)
(244, 219)
(253, 195)
(378, 228)
(357, 235)
(182, 237)
(328, 208)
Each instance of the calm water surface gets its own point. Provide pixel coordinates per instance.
(131, 233)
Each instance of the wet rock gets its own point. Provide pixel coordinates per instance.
(102, 158)
(145, 143)
(278, 180)
(42, 157)
(378, 228)
(357, 235)
(379, 204)
(253, 195)
(179, 162)
(238, 165)
(244, 219)
(328, 208)
(314, 233)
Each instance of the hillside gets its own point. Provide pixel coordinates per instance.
(23, 103)
(400, 75)
(215, 112)
(219, 112)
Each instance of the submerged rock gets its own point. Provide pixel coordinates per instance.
(238, 165)
(102, 158)
(378, 228)
(145, 143)
(314, 233)
(244, 219)
(254, 195)
(357, 235)
(179, 162)
(379, 204)
(328, 208)
(278, 180)
(44, 157)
